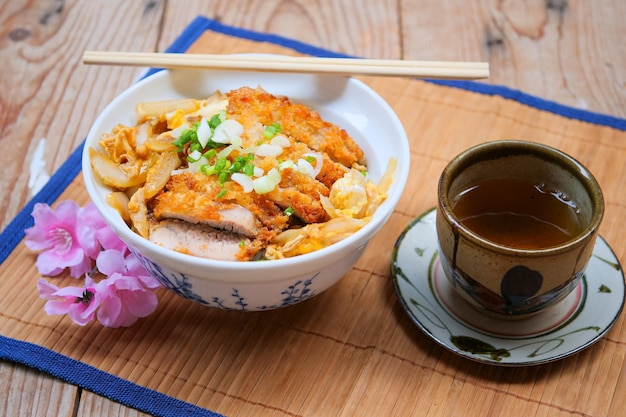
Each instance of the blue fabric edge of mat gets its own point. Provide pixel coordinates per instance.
(97, 381)
(126, 392)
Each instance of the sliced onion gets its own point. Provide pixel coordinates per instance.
(249, 149)
(175, 133)
(195, 155)
(267, 149)
(245, 181)
(195, 166)
(303, 166)
(258, 172)
(267, 183)
(204, 132)
(263, 185)
(280, 140)
(236, 141)
(225, 131)
(180, 171)
(319, 162)
(141, 136)
(287, 164)
(274, 175)
(226, 151)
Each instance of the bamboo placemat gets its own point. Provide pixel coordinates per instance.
(351, 350)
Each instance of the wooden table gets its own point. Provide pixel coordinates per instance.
(569, 52)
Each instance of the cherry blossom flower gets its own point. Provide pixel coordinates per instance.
(123, 300)
(54, 236)
(79, 302)
(79, 239)
(126, 294)
(94, 234)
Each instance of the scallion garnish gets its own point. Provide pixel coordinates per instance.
(271, 130)
(216, 120)
(210, 153)
(184, 138)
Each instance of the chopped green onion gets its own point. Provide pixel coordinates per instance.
(223, 176)
(195, 147)
(220, 165)
(215, 120)
(207, 169)
(289, 211)
(272, 130)
(184, 138)
(210, 153)
(248, 169)
(221, 193)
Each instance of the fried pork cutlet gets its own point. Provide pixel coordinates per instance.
(256, 106)
(193, 198)
(330, 171)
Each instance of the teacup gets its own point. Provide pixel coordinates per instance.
(516, 223)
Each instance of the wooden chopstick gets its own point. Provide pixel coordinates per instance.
(273, 63)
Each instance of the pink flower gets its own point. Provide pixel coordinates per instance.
(73, 237)
(113, 261)
(123, 300)
(79, 303)
(94, 234)
(54, 236)
(125, 295)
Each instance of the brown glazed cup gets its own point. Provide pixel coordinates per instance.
(500, 278)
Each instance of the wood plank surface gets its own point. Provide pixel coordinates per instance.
(569, 52)
(564, 51)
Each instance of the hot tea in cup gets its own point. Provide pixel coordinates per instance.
(518, 212)
(516, 222)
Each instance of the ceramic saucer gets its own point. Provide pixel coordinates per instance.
(573, 324)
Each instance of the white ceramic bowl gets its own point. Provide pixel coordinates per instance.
(251, 286)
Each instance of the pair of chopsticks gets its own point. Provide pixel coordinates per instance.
(273, 63)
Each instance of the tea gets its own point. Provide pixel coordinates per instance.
(518, 213)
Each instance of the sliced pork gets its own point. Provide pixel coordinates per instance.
(200, 240)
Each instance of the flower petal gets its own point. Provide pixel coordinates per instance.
(82, 268)
(46, 290)
(67, 212)
(149, 281)
(133, 266)
(109, 311)
(54, 307)
(87, 239)
(111, 261)
(48, 266)
(36, 236)
(79, 314)
(110, 240)
(142, 304)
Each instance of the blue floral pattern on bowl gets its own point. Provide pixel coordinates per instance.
(179, 283)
